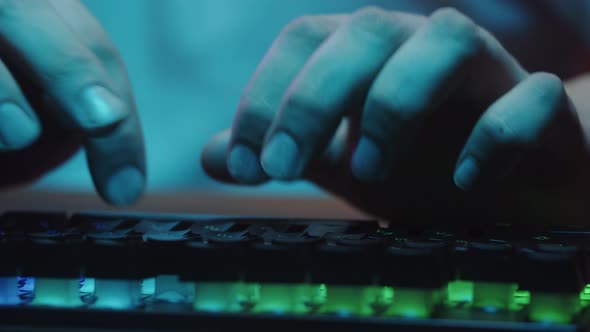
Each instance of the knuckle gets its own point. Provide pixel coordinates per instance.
(308, 27)
(299, 101)
(548, 88)
(371, 12)
(457, 27)
(382, 100)
(106, 53)
(392, 108)
(250, 127)
(383, 25)
(377, 22)
(68, 68)
(451, 17)
(498, 131)
(371, 15)
(253, 112)
(304, 109)
(253, 103)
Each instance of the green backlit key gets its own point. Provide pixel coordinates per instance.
(344, 300)
(493, 296)
(117, 294)
(460, 292)
(377, 300)
(414, 302)
(291, 298)
(358, 300)
(585, 296)
(553, 307)
(277, 298)
(226, 296)
(57, 292)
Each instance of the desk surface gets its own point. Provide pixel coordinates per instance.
(191, 203)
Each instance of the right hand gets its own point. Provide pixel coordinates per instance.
(408, 116)
(63, 85)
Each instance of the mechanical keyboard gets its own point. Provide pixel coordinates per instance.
(132, 272)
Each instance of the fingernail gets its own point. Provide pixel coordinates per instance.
(280, 157)
(101, 108)
(367, 161)
(17, 128)
(466, 173)
(243, 165)
(125, 186)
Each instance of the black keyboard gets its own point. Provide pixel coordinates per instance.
(114, 272)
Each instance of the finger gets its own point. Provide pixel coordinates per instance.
(521, 122)
(116, 158)
(323, 92)
(91, 34)
(262, 96)
(47, 52)
(117, 163)
(214, 157)
(416, 80)
(51, 149)
(214, 161)
(19, 126)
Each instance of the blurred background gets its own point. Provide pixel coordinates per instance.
(190, 59)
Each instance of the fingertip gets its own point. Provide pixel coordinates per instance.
(125, 186)
(244, 166)
(18, 128)
(117, 162)
(367, 161)
(214, 157)
(281, 157)
(467, 173)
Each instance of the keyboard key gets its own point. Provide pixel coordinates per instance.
(116, 293)
(553, 307)
(415, 302)
(408, 267)
(488, 261)
(492, 296)
(560, 271)
(169, 289)
(35, 223)
(57, 292)
(226, 297)
(345, 301)
(348, 264)
(9, 294)
(298, 298)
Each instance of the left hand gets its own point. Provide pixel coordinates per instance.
(63, 85)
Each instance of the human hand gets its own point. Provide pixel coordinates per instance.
(408, 116)
(63, 85)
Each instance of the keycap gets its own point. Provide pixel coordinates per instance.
(344, 264)
(111, 249)
(35, 223)
(561, 271)
(489, 261)
(57, 292)
(417, 267)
